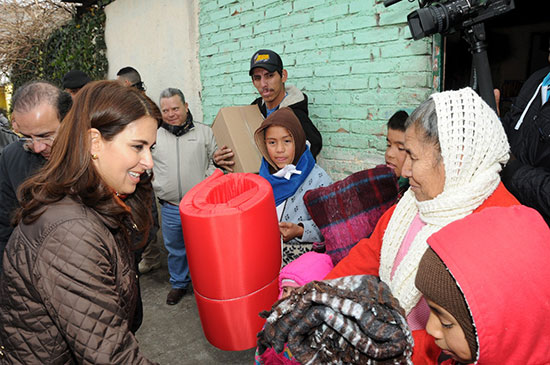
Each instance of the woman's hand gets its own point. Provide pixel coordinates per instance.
(290, 231)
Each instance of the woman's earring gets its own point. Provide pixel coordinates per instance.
(94, 156)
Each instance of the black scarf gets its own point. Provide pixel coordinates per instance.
(180, 130)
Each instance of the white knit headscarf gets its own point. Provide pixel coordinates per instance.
(473, 147)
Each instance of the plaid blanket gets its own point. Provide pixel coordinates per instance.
(349, 209)
(349, 320)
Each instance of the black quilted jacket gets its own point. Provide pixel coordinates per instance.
(68, 292)
(528, 175)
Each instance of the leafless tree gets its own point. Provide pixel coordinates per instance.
(25, 23)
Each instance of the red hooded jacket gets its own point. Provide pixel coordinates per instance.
(364, 259)
(500, 258)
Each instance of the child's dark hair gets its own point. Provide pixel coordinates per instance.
(397, 121)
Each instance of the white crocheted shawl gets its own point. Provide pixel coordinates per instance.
(473, 146)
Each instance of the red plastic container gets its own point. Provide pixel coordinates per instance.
(233, 247)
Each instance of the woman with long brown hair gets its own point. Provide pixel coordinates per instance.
(68, 291)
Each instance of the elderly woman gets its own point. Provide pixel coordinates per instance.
(455, 147)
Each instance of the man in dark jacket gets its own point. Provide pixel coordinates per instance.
(527, 125)
(269, 77)
(6, 134)
(38, 108)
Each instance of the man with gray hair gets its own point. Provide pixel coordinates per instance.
(183, 158)
(38, 108)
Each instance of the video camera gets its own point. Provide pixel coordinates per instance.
(449, 16)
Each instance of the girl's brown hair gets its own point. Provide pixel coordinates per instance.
(109, 107)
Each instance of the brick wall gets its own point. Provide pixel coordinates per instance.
(354, 59)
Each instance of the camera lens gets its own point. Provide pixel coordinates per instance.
(438, 18)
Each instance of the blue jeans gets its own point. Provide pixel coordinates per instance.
(173, 241)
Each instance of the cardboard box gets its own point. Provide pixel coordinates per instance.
(234, 127)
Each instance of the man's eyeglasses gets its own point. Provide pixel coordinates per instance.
(28, 141)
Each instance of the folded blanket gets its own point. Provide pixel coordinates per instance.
(349, 209)
(348, 320)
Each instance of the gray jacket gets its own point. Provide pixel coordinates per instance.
(182, 162)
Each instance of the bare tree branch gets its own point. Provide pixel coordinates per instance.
(25, 23)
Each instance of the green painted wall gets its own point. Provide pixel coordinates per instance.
(355, 60)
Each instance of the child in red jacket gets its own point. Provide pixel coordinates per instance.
(485, 279)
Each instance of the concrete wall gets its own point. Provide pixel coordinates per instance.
(160, 39)
(354, 59)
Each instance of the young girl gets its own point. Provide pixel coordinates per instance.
(308, 267)
(485, 279)
(291, 170)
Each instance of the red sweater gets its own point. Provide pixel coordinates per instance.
(364, 259)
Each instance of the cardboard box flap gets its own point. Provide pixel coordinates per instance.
(234, 127)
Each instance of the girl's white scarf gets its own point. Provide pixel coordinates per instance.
(473, 146)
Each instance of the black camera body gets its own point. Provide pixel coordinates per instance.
(449, 16)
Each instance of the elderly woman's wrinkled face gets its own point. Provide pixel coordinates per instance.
(423, 165)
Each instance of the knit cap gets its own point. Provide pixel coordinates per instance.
(437, 284)
(75, 79)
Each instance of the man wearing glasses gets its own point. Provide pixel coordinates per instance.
(38, 108)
